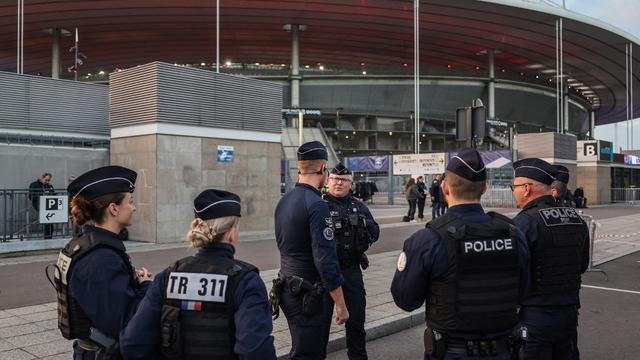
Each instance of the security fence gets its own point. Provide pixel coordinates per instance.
(19, 217)
(498, 197)
(625, 195)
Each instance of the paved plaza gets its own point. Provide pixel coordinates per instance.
(31, 332)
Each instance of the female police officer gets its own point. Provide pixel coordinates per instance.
(97, 287)
(208, 305)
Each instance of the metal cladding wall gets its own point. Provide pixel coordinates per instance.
(40, 104)
(159, 92)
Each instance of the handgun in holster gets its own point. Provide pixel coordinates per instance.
(435, 344)
(274, 297)
(108, 348)
(312, 299)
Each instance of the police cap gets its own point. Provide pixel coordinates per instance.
(340, 169)
(563, 174)
(313, 150)
(536, 169)
(213, 204)
(102, 181)
(468, 164)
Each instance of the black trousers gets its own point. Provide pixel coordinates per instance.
(412, 209)
(552, 333)
(309, 333)
(355, 298)
(421, 208)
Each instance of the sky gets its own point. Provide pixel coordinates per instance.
(625, 15)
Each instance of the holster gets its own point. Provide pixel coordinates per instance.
(274, 297)
(312, 300)
(364, 261)
(170, 333)
(110, 353)
(435, 344)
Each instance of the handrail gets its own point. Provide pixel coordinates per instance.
(327, 143)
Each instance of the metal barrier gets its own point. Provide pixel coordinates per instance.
(593, 227)
(19, 218)
(497, 197)
(626, 195)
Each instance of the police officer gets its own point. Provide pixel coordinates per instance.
(309, 267)
(469, 266)
(355, 231)
(97, 288)
(205, 306)
(559, 243)
(559, 188)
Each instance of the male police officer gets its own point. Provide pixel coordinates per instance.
(309, 266)
(355, 231)
(469, 265)
(559, 243)
(562, 195)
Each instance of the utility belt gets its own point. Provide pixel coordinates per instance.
(354, 259)
(437, 344)
(106, 348)
(311, 293)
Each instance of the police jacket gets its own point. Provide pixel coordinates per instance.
(142, 337)
(558, 240)
(426, 265)
(305, 237)
(355, 228)
(103, 288)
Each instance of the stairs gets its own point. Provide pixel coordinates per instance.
(290, 146)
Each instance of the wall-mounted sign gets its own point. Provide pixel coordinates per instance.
(368, 163)
(225, 154)
(587, 150)
(605, 150)
(305, 112)
(53, 209)
(423, 164)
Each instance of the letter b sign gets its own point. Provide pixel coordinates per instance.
(590, 149)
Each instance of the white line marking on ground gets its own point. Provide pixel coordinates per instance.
(611, 289)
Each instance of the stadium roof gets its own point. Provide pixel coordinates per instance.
(339, 33)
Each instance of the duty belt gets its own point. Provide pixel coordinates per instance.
(478, 347)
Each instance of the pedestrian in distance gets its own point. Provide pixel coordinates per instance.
(422, 187)
(355, 231)
(559, 189)
(310, 280)
(412, 193)
(434, 192)
(42, 187)
(205, 306)
(558, 240)
(98, 289)
(470, 267)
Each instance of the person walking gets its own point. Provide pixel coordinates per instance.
(208, 305)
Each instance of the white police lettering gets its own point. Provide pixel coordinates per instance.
(63, 267)
(479, 246)
(560, 216)
(197, 286)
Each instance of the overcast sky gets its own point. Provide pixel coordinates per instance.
(623, 14)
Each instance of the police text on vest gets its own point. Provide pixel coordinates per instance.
(479, 246)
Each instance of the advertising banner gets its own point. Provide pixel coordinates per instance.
(368, 163)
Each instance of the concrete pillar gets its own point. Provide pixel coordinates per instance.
(55, 53)
(592, 123)
(295, 65)
(492, 84)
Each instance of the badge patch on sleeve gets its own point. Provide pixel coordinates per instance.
(328, 233)
(328, 221)
(196, 287)
(402, 261)
(560, 216)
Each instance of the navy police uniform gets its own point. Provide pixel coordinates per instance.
(309, 266)
(470, 267)
(355, 231)
(559, 243)
(206, 306)
(96, 284)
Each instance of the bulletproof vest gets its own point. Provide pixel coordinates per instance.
(556, 260)
(478, 293)
(351, 234)
(72, 320)
(197, 320)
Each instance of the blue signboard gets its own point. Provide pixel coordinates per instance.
(368, 163)
(225, 154)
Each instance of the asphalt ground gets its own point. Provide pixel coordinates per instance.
(609, 323)
(24, 284)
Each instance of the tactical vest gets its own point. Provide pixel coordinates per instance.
(197, 320)
(72, 320)
(351, 234)
(478, 293)
(556, 261)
